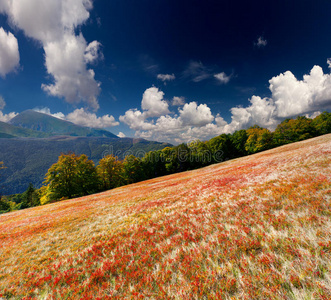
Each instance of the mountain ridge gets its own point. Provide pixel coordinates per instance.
(40, 122)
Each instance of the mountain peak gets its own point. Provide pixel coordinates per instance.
(30, 119)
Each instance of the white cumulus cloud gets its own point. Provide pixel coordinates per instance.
(168, 126)
(260, 112)
(289, 97)
(5, 117)
(294, 97)
(136, 120)
(47, 111)
(153, 103)
(121, 135)
(9, 53)
(54, 24)
(194, 115)
(82, 117)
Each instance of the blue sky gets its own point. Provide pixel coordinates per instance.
(166, 70)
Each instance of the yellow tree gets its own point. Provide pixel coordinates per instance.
(110, 172)
(259, 139)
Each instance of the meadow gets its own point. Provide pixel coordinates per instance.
(257, 227)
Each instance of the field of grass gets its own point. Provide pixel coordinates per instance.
(257, 227)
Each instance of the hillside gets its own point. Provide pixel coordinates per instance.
(28, 159)
(11, 131)
(36, 121)
(257, 227)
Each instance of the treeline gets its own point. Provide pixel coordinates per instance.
(75, 176)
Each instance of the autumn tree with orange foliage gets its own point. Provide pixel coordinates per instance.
(110, 172)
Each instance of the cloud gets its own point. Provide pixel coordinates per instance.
(196, 72)
(153, 103)
(9, 54)
(261, 112)
(121, 135)
(222, 78)
(261, 42)
(65, 62)
(313, 115)
(166, 77)
(165, 127)
(82, 117)
(5, 117)
(194, 115)
(294, 97)
(54, 24)
(289, 97)
(93, 53)
(136, 120)
(178, 101)
(47, 111)
(329, 62)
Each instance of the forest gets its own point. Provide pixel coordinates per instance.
(74, 176)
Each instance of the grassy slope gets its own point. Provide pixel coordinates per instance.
(253, 228)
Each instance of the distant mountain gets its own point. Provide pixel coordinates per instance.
(11, 131)
(33, 141)
(28, 159)
(40, 122)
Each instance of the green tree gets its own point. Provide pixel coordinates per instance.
(294, 130)
(200, 154)
(177, 159)
(4, 205)
(133, 170)
(322, 123)
(238, 140)
(27, 197)
(30, 197)
(154, 164)
(72, 176)
(220, 147)
(110, 172)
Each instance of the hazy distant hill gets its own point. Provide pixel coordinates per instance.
(36, 121)
(28, 159)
